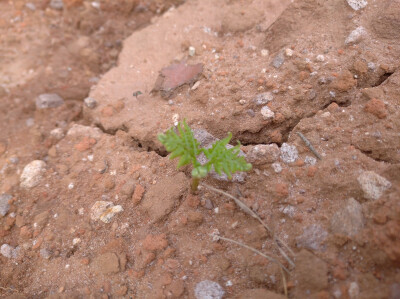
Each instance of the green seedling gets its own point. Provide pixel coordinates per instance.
(183, 145)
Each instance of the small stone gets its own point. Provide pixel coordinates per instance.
(371, 66)
(32, 174)
(4, 206)
(80, 131)
(30, 6)
(57, 133)
(289, 153)
(320, 58)
(8, 251)
(264, 52)
(45, 253)
(30, 122)
(354, 290)
(349, 219)
(104, 211)
(310, 160)
(90, 103)
(276, 167)
(357, 4)
(263, 154)
(207, 289)
(208, 204)
(289, 52)
(267, 113)
(278, 61)
(373, 185)
(312, 238)
(356, 35)
(192, 51)
(263, 98)
(57, 4)
(377, 108)
(49, 100)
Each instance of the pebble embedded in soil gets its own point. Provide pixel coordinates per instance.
(9, 251)
(263, 153)
(57, 133)
(57, 4)
(32, 174)
(356, 35)
(263, 98)
(267, 113)
(289, 153)
(104, 211)
(357, 4)
(4, 206)
(349, 220)
(373, 185)
(278, 60)
(49, 100)
(313, 237)
(207, 289)
(91, 103)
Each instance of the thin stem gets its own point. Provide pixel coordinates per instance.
(195, 184)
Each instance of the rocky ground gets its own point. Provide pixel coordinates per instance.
(90, 204)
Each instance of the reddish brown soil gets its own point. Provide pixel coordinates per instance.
(340, 214)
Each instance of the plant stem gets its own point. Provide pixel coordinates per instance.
(195, 184)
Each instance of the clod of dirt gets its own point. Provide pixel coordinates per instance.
(311, 274)
(4, 206)
(106, 263)
(162, 197)
(32, 174)
(207, 289)
(49, 100)
(373, 185)
(349, 220)
(80, 131)
(177, 75)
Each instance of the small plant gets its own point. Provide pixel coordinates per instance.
(187, 148)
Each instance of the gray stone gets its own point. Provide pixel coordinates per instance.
(267, 113)
(90, 103)
(289, 153)
(263, 98)
(312, 238)
(207, 289)
(57, 4)
(349, 219)
(32, 174)
(356, 35)
(57, 133)
(9, 251)
(49, 100)
(373, 185)
(4, 206)
(263, 154)
(278, 60)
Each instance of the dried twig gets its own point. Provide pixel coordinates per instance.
(249, 211)
(309, 145)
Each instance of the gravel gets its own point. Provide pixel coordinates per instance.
(278, 61)
(4, 206)
(49, 100)
(207, 289)
(267, 113)
(357, 4)
(32, 174)
(289, 153)
(9, 251)
(373, 185)
(263, 98)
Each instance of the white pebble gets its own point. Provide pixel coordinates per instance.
(71, 186)
(357, 4)
(289, 52)
(267, 113)
(320, 58)
(289, 153)
(356, 35)
(192, 51)
(264, 52)
(277, 167)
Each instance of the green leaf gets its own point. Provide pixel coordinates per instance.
(225, 160)
(182, 145)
